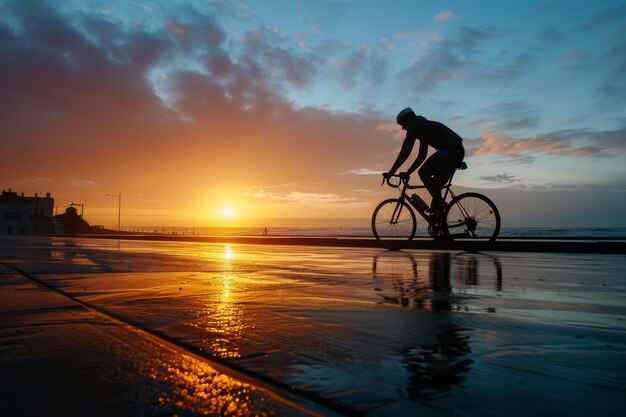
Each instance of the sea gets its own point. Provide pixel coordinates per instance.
(618, 233)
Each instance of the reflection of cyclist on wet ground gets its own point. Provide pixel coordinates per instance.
(438, 361)
(429, 287)
(436, 367)
(437, 169)
(410, 288)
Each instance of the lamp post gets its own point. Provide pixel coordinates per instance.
(119, 208)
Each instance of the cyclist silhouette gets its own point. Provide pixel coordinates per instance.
(437, 169)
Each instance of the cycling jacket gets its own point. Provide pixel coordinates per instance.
(435, 134)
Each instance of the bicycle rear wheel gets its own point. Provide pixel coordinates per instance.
(394, 223)
(471, 216)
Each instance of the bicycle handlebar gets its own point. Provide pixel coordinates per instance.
(403, 179)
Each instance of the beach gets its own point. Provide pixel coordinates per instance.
(173, 327)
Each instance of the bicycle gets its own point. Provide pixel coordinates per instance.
(468, 216)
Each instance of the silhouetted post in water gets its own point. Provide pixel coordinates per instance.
(119, 209)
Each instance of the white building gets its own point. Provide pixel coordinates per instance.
(20, 215)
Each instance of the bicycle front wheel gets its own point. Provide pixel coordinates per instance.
(394, 223)
(471, 216)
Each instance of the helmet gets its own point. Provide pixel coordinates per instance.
(404, 113)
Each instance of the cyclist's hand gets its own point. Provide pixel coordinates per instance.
(386, 176)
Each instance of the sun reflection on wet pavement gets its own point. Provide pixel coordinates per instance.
(197, 387)
(226, 325)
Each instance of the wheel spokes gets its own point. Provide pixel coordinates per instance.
(393, 223)
(472, 217)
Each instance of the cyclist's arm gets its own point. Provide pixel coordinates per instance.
(405, 151)
(421, 156)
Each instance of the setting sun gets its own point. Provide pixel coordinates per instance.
(227, 211)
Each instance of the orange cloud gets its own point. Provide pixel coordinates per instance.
(525, 150)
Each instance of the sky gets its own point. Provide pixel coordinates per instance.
(282, 113)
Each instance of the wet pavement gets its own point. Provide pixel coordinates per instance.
(106, 327)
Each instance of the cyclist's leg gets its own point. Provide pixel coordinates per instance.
(437, 170)
(431, 175)
(449, 163)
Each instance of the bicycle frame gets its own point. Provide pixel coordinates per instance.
(404, 185)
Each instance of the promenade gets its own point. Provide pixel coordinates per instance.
(192, 327)
(599, 245)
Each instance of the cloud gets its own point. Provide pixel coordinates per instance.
(55, 79)
(610, 140)
(415, 33)
(512, 115)
(365, 171)
(362, 64)
(575, 59)
(445, 16)
(387, 44)
(519, 65)
(603, 19)
(602, 66)
(83, 182)
(471, 37)
(303, 197)
(448, 59)
(526, 149)
(289, 60)
(612, 87)
(607, 64)
(500, 178)
(551, 36)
